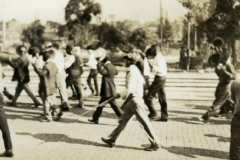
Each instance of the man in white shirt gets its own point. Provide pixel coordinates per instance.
(134, 105)
(159, 68)
(58, 59)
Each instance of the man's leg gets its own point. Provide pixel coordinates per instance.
(98, 111)
(89, 82)
(4, 128)
(153, 90)
(115, 108)
(235, 139)
(31, 95)
(96, 84)
(77, 86)
(141, 116)
(19, 89)
(127, 114)
(61, 85)
(162, 100)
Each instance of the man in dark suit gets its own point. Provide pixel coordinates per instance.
(108, 89)
(21, 74)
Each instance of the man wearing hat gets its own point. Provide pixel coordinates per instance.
(21, 74)
(226, 73)
(134, 105)
(108, 89)
(74, 65)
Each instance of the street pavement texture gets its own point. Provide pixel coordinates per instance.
(184, 136)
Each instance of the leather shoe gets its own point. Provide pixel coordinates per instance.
(110, 142)
(37, 105)
(8, 154)
(93, 121)
(153, 147)
(153, 117)
(14, 104)
(162, 120)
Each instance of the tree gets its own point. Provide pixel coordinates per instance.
(113, 36)
(34, 34)
(142, 37)
(224, 23)
(78, 15)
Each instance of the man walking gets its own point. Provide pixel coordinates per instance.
(21, 74)
(134, 105)
(74, 65)
(108, 89)
(159, 68)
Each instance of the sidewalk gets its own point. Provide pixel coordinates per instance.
(73, 138)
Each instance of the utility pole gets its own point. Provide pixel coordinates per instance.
(161, 23)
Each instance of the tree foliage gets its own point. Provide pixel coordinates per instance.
(78, 15)
(34, 34)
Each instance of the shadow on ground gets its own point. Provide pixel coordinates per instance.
(220, 138)
(64, 138)
(193, 152)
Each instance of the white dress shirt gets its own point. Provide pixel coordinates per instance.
(92, 62)
(134, 83)
(159, 65)
(70, 60)
(58, 59)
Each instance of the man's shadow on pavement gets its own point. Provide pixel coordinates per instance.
(64, 138)
(89, 112)
(220, 138)
(193, 152)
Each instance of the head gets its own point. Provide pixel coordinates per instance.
(55, 45)
(48, 53)
(76, 50)
(69, 49)
(21, 50)
(107, 58)
(151, 52)
(34, 51)
(131, 59)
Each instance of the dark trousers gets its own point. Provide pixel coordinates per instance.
(113, 104)
(77, 86)
(157, 87)
(93, 75)
(4, 127)
(235, 139)
(24, 86)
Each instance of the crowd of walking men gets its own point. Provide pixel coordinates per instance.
(57, 72)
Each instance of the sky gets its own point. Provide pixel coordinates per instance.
(143, 10)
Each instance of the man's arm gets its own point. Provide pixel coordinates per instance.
(102, 70)
(229, 71)
(69, 62)
(16, 63)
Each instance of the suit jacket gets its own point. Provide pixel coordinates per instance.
(21, 72)
(108, 72)
(47, 77)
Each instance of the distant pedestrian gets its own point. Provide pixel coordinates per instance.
(226, 73)
(182, 58)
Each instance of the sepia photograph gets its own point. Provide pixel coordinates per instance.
(120, 79)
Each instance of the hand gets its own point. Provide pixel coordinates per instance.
(10, 58)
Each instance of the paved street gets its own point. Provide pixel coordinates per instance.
(182, 137)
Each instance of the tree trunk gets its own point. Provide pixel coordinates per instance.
(234, 55)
